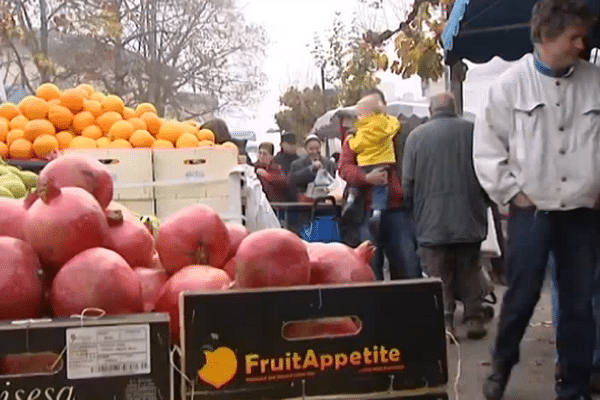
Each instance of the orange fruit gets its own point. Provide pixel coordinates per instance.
(141, 138)
(187, 140)
(106, 120)
(170, 130)
(128, 113)
(18, 122)
(48, 91)
(54, 102)
(73, 99)
(13, 135)
(120, 144)
(112, 103)
(64, 139)
(145, 107)
(103, 142)
(97, 96)
(9, 110)
(23, 103)
(138, 123)
(230, 145)
(185, 127)
(153, 122)
(162, 144)
(206, 134)
(3, 150)
(36, 108)
(82, 120)
(86, 87)
(82, 142)
(3, 129)
(61, 117)
(38, 127)
(43, 145)
(93, 106)
(20, 148)
(121, 130)
(92, 132)
(205, 143)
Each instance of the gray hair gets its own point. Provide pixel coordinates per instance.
(442, 102)
(550, 18)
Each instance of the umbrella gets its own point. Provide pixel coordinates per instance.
(338, 122)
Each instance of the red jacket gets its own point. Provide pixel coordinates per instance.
(275, 183)
(354, 176)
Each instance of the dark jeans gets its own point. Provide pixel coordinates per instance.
(379, 197)
(398, 243)
(571, 237)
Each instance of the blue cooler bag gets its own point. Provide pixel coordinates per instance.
(322, 227)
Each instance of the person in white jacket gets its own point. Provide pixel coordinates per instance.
(537, 148)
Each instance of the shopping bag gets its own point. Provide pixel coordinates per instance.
(490, 246)
(322, 228)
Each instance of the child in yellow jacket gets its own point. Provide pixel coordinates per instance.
(374, 147)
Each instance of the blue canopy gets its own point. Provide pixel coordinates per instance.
(481, 29)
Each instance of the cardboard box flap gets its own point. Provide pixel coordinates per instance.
(233, 342)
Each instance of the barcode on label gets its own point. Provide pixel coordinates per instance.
(123, 367)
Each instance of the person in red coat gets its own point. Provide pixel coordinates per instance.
(273, 179)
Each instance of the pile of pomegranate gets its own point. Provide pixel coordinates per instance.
(68, 247)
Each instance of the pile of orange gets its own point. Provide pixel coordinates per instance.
(83, 118)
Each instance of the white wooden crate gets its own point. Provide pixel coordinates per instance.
(193, 173)
(131, 170)
(228, 206)
(142, 207)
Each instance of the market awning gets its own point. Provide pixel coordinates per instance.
(481, 29)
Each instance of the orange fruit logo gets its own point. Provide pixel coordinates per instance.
(220, 367)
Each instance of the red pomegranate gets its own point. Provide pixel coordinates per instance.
(62, 223)
(130, 238)
(12, 218)
(96, 278)
(191, 278)
(76, 170)
(272, 257)
(152, 281)
(21, 281)
(237, 233)
(338, 263)
(194, 235)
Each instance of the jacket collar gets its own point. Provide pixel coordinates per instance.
(443, 114)
(546, 70)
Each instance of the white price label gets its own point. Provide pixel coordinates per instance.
(104, 351)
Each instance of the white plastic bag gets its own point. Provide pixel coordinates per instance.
(259, 213)
(323, 178)
(490, 246)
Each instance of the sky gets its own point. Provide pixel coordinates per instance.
(291, 26)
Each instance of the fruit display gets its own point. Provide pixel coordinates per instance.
(69, 247)
(83, 118)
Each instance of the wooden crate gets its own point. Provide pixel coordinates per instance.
(131, 170)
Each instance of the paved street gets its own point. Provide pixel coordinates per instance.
(532, 378)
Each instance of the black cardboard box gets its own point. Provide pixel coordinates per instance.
(109, 358)
(234, 347)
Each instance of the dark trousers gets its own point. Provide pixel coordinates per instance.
(457, 265)
(571, 237)
(398, 244)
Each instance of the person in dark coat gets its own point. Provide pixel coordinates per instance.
(288, 154)
(273, 179)
(222, 135)
(448, 206)
(304, 170)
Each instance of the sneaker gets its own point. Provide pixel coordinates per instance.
(495, 384)
(475, 329)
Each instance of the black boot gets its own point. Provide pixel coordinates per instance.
(495, 383)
